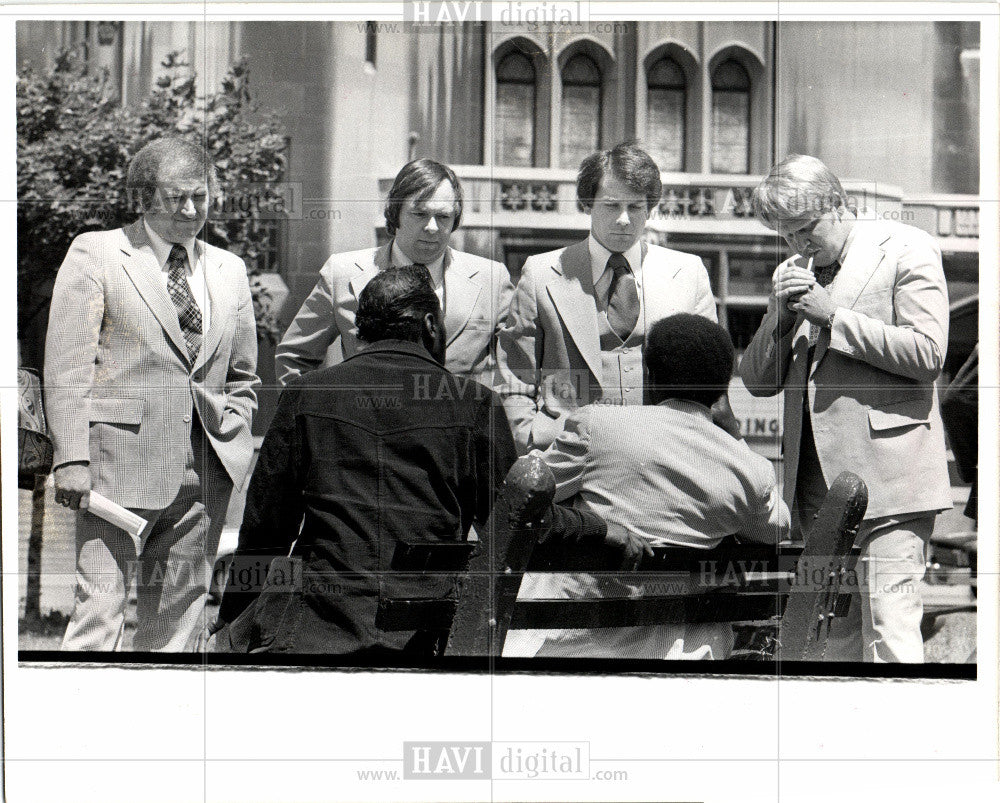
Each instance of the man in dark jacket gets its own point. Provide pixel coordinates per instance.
(387, 447)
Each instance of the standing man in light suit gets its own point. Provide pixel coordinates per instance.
(423, 210)
(150, 387)
(575, 332)
(855, 335)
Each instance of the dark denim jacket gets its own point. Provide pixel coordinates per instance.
(387, 446)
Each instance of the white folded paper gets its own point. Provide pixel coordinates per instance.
(117, 515)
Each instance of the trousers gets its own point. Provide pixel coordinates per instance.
(171, 563)
(883, 623)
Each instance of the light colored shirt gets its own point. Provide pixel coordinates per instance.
(435, 269)
(196, 270)
(668, 474)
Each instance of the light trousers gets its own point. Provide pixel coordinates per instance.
(172, 564)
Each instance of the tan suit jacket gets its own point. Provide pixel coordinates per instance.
(477, 294)
(549, 351)
(872, 400)
(120, 388)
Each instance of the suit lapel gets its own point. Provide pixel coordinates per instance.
(572, 293)
(461, 294)
(863, 258)
(658, 274)
(366, 270)
(140, 266)
(223, 306)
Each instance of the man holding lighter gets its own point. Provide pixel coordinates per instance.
(855, 334)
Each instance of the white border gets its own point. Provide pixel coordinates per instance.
(144, 734)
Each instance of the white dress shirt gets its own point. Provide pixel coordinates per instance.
(435, 269)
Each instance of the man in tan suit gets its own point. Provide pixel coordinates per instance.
(575, 331)
(149, 378)
(422, 212)
(855, 335)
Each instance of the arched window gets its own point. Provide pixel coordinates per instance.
(730, 118)
(581, 110)
(666, 107)
(515, 111)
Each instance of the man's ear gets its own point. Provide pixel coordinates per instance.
(431, 326)
(433, 336)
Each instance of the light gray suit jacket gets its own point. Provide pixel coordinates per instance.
(477, 294)
(120, 388)
(872, 400)
(549, 351)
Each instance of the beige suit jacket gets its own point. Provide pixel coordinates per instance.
(872, 399)
(549, 351)
(120, 388)
(477, 294)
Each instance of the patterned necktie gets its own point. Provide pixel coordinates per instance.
(824, 278)
(623, 299)
(826, 274)
(188, 313)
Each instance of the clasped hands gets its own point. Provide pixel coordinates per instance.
(795, 289)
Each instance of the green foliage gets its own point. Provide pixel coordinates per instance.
(74, 144)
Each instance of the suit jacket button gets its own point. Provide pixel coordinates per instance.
(187, 419)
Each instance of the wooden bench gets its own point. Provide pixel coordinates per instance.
(793, 588)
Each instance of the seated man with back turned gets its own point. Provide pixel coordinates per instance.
(383, 448)
(667, 474)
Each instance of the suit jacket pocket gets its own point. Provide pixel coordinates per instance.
(902, 414)
(114, 440)
(117, 411)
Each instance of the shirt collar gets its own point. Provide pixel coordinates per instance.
(399, 259)
(599, 256)
(687, 406)
(161, 248)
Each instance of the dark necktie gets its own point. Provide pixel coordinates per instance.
(188, 314)
(824, 278)
(826, 274)
(623, 300)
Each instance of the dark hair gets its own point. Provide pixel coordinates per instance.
(689, 357)
(393, 304)
(147, 166)
(628, 163)
(798, 188)
(418, 180)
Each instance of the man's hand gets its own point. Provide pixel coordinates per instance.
(73, 485)
(723, 417)
(788, 283)
(631, 547)
(790, 280)
(816, 305)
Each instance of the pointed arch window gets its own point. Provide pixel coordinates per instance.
(515, 111)
(666, 110)
(730, 118)
(581, 110)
